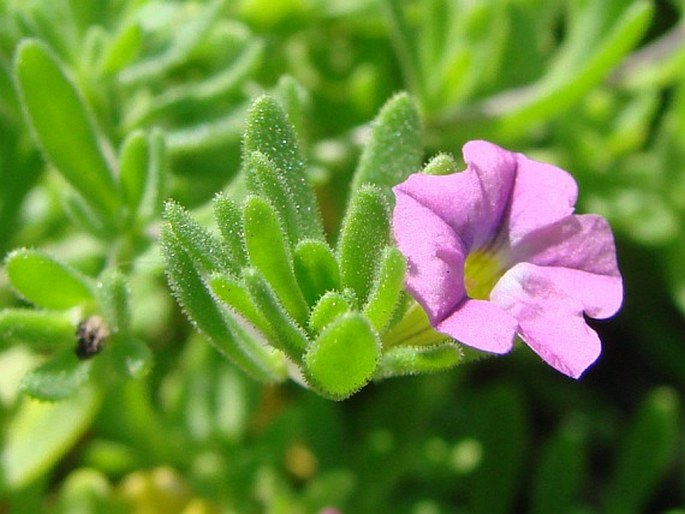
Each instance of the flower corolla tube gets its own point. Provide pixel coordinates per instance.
(496, 250)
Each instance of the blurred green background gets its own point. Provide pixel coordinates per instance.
(597, 87)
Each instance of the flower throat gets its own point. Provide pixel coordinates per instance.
(482, 270)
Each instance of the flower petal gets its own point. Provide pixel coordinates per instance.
(550, 321)
(435, 257)
(481, 325)
(542, 195)
(579, 256)
(471, 202)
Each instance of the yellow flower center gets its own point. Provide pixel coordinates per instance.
(482, 270)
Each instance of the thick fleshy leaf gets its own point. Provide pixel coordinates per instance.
(40, 329)
(441, 164)
(202, 246)
(199, 94)
(270, 132)
(155, 187)
(134, 159)
(64, 128)
(329, 307)
(394, 148)
(316, 269)
(39, 434)
(295, 100)
(185, 40)
(123, 48)
(413, 360)
(58, 379)
(229, 220)
(235, 295)
(290, 338)
(193, 295)
(47, 282)
(343, 358)
(269, 254)
(265, 180)
(568, 82)
(385, 294)
(364, 234)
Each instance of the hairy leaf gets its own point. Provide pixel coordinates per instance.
(47, 282)
(343, 358)
(64, 128)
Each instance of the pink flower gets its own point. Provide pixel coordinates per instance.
(496, 251)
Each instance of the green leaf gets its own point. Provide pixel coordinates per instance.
(39, 434)
(364, 234)
(394, 149)
(316, 269)
(295, 100)
(155, 186)
(192, 294)
(40, 329)
(441, 164)
(264, 180)
(64, 128)
(559, 92)
(187, 38)
(229, 220)
(329, 307)
(290, 338)
(561, 471)
(134, 159)
(58, 379)
(387, 287)
(234, 293)
(122, 49)
(645, 454)
(270, 132)
(203, 247)
(47, 282)
(266, 247)
(413, 360)
(198, 95)
(343, 358)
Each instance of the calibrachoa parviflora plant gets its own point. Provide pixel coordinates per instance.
(487, 253)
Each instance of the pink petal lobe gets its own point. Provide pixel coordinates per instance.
(579, 256)
(435, 257)
(472, 202)
(550, 321)
(543, 194)
(482, 325)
